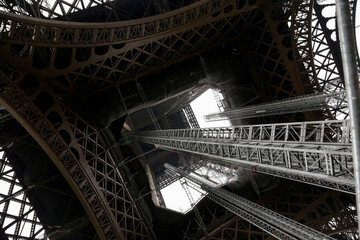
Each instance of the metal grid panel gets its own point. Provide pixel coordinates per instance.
(17, 218)
(79, 152)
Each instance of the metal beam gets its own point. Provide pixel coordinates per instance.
(189, 113)
(305, 103)
(148, 108)
(291, 229)
(184, 184)
(316, 153)
(348, 54)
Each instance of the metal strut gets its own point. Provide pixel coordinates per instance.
(293, 229)
(317, 153)
(184, 184)
(189, 113)
(297, 104)
(148, 107)
(348, 50)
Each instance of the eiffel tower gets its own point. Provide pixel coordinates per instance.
(95, 99)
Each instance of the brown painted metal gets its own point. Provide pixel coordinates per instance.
(78, 151)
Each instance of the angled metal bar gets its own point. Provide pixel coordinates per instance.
(24, 190)
(134, 158)
(309, 102)
(148, 107)
(27, 30)
(251, 219)
(297, 230)
(184, 184)
(334, 132)
(189, 113)
(18, 218)
(301, 19)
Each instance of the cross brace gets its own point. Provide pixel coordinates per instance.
(317, 153)
(286, 228)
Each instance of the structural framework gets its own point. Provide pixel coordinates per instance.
(95, 98)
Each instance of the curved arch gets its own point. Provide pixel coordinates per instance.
(96, 187)
(33, 31)
(8, 103)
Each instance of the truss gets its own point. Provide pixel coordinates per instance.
(90, 57)
(313, 152)
(284, 226)
(88, 166)
(292, 105)
(311, 205)
(137, 47)
(189, 113)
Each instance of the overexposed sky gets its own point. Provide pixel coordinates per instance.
(15, 205)
(174, 195)
(176, 199)
(204, 105)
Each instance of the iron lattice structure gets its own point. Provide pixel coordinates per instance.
(55, 56)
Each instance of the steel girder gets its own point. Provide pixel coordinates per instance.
(313, 152)
(319, 209)
(305, 37)
(32, 31)
(204, 167)
(11, 218)
(78, 151)
(132, 58)
(326, 51)
(292, 105)
(285, 227)
(189, 113)
(124, 48)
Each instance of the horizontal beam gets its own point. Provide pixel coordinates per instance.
(315, 132)
(321, 157)
(291, 105)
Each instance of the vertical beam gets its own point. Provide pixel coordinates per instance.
(148, 107)
(152, 185)
(189, 113)
(348, 50)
